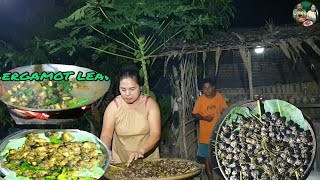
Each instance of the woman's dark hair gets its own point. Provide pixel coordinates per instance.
(131, 71)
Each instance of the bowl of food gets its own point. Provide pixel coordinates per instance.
(307, 23)
(269, 139)
(53, 154)
(52, 87)
(161, 169)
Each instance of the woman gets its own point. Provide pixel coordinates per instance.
(312, 13)
(131, 122)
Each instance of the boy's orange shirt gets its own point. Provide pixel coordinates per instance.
(206, 107)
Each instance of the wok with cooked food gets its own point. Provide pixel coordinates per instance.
(55, 155)
(47, 95)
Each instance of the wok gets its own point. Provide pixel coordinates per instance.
(96, 88)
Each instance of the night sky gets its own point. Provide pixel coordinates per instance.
(250, 13)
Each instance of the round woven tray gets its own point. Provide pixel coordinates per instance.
(184, 176)
(252, 105)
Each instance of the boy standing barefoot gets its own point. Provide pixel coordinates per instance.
(208, 109)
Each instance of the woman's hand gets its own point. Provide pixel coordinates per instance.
(134, 156)
(302, 19)
(111, 158)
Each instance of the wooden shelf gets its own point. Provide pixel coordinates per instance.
(307, 105)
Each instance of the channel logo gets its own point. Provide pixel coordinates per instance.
(305, 13)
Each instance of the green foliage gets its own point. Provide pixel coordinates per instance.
(142, 27)
(33, 52)
(239, 111)
(145, 16)
(144, 90)
(96, 23)
(222, 11)
(287, 110)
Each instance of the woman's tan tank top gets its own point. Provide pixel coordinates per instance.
(131, 131)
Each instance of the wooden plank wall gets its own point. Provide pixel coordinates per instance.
(293, 93)
(269, 68)
(280, 91)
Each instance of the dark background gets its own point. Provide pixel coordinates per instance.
(252, 13)
(249, 13)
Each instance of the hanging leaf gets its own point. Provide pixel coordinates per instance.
(217, 58)
(204, 57)
(286, 110)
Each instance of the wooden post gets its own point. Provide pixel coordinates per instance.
(183, 65)
(250, 75)
(217, 58)
(177, 87)
(246, 57)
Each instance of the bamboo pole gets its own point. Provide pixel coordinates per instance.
(204, 57)
(250, 75)
(177, 86)
(246, 57)
(183, 91)
(217, 58)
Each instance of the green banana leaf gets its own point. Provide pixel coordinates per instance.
(286, 110)
(240, 110)
(274, 105)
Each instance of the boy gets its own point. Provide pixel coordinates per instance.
(208, 109)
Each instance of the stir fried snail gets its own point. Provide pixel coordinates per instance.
(153, 169)
(40, 159)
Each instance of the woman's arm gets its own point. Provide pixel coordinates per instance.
(108, 124)
(155, 127)
(205, 118)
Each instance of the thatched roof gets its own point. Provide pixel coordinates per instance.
(288, 38)
(268, 36)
